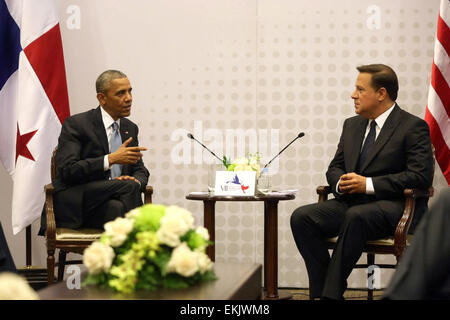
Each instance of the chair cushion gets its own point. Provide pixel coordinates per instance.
(380, 242)
(64, 234)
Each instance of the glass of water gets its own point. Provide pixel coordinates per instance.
(263, 184)
(212, 168)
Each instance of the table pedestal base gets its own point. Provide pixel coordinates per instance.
(280, 296)
(270, 234)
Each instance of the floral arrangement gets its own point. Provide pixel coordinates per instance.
(154, 246)
(14, 287)
(249, 163)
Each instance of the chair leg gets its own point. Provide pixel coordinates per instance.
(370, 262)
(50, 266)
(61, 264)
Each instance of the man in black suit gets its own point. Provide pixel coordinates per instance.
(381, 151)
(94, 183)
(424, 270)
(6, 260)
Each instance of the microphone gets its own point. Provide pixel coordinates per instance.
(301, 134)
(190, 136)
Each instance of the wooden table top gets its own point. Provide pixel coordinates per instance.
(235, 281)
(258, 197)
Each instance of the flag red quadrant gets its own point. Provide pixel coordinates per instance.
(33, 100)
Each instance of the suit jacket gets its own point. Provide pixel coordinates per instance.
(6, 260)
(82, 146)
(400, 158)
(424, 273)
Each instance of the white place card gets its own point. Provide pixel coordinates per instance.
(235, 183)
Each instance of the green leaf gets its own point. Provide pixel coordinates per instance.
(161, 259)
(226, 162)
(174, 281)
(149, 278)
(208, 276)
(100, 279)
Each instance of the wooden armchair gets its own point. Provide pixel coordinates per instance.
(393, 245)
(68, 240)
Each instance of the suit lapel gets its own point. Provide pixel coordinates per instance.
(356, 139)
(99, 129)
(386, 132)
(124, 131)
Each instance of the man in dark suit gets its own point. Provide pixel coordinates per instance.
(99, 172)
(424, 271)
(6, 260)
(381, 151)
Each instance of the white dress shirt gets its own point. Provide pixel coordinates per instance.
(380, 120)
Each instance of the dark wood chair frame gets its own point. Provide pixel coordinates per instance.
(75, 246)
(400, 236)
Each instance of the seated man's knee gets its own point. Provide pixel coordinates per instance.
(299, 217)
(354, 214)
(136, 187)
(130, 186)
(113, 209)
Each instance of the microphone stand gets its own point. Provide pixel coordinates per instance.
(301, 134)
(190, 136)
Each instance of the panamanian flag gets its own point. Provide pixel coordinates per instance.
(33, 100)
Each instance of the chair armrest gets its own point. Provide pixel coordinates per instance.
(49, 212)
(401, 232)
(148, 194)
(323, 192)
(419, 193)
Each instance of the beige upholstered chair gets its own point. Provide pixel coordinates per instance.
(68, 240)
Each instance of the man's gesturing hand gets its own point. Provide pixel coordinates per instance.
(127, 178)
(126, 155)
(352, 183)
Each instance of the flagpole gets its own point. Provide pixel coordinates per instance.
(36, 276)
(28, 263)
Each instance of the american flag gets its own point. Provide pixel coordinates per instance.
(437, 113)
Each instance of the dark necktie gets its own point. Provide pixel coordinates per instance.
(116, 141)
(368, 144)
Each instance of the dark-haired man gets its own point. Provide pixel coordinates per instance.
(99, 171)
(381, 151)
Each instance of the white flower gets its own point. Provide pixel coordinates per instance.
(174, 224)
(241, 162)
(168, 238)
(203, 232)
(203, 262)
(183, 214)
(98, 257)
(183, 261)
(245, 167)
(133, 213)
(14, 287)
(248, 168)
(254, 162)
(118, 230)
